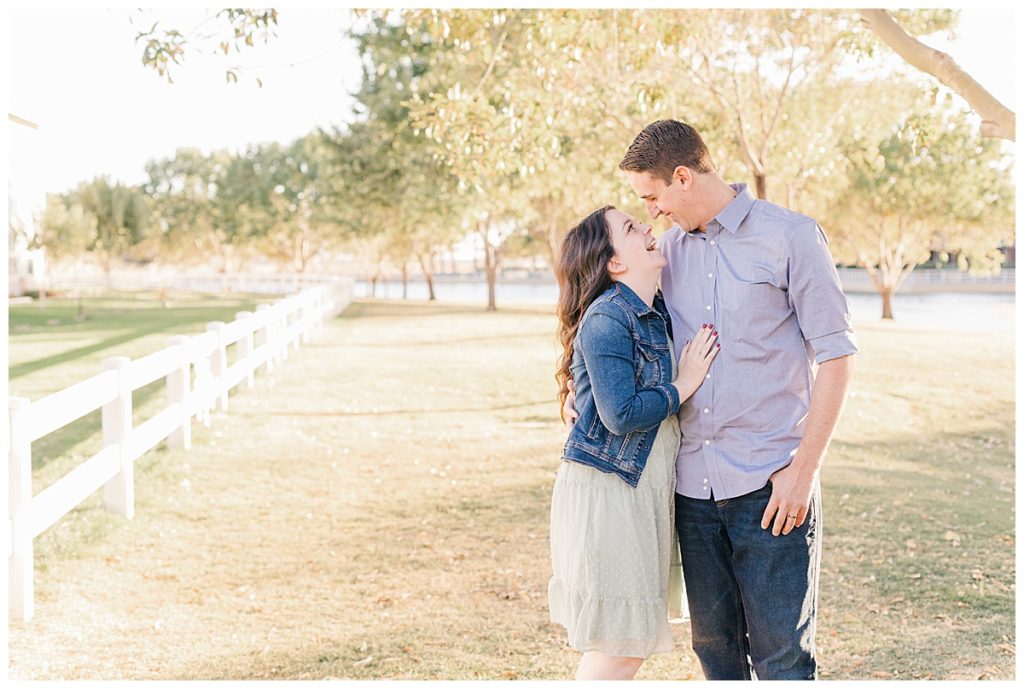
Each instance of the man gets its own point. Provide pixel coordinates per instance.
(748, 504)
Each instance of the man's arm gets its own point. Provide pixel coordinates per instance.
(792, 485)
(823, 313)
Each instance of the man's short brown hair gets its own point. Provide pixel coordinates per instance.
(664, 145)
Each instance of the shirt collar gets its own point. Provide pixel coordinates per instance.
(732, 215)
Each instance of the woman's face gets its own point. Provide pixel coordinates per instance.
(635, 246)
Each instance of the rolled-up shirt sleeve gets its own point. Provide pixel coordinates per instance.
(816, 295)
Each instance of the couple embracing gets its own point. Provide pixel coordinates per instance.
(698, 424)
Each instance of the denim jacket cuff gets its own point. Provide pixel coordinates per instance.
(672, 394)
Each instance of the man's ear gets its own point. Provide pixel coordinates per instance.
(683, 175)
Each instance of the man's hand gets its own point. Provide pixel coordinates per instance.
(792, 485)
(569, 408)
(791, 498)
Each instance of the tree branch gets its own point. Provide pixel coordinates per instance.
(997, 120)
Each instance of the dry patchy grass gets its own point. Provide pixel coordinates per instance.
(377, 508)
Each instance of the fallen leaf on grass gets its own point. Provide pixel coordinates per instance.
(364, 662)
(1008, 648)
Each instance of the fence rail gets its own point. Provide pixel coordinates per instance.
(198, 380)
(925, 281)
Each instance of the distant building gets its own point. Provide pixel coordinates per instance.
(26, 266)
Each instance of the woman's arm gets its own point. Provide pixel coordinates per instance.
(607, 347)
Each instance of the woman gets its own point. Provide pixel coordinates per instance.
(612, 536)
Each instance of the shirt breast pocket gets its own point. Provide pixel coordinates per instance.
(756, 292)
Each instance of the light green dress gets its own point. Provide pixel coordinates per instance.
(617, 576)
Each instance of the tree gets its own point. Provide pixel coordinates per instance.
(296, 193)
(210, 206)
(118, 219)
(402, 176)
(931, 178)
(233, 29)
(997, 120)
(64, 229)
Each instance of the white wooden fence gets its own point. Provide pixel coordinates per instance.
(198, 379)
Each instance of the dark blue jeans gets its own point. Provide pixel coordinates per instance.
(752, 596)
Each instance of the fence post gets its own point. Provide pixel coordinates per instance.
(283, 340)
(306, 319)
(265, 339)
(119, 492)
(178, 383)
(202, 391)
(219, 364)
(20, 593)
(245, 350)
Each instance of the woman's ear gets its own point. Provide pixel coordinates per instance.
(615, 266)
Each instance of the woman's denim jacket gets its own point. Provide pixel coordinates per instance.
(622, 368)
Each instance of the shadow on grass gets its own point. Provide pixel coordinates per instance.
(144, 322)
(458, 341)
(369, 308)
(478, 617)
(56, 445)
(27, 367)
(396, 412)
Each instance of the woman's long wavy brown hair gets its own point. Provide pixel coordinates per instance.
(582, 274)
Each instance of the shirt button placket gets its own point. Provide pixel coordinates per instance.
(709, 300)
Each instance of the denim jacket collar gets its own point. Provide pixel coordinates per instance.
(639, 307)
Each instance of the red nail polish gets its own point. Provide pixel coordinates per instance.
(719, 345)
(715, 333)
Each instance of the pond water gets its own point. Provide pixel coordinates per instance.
(942, 311)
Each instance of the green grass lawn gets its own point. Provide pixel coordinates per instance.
(378, 508)
(52, 346)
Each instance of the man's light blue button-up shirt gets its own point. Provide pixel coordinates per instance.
(763, 275)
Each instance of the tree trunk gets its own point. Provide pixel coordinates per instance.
(405, 280)
(490, 265)
(761, 184)
(887, 295)
(492, 278)
(427, 266)
(552, 245)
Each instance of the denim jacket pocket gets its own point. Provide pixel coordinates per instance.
(648, 364)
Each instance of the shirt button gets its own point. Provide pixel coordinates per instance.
(705, 480)
(707, 442)
(706, 410)
(705, 487)
(707, 376)
(708, 307)
(711, 275)
(712, 242)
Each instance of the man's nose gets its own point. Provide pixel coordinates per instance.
(653, 210)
